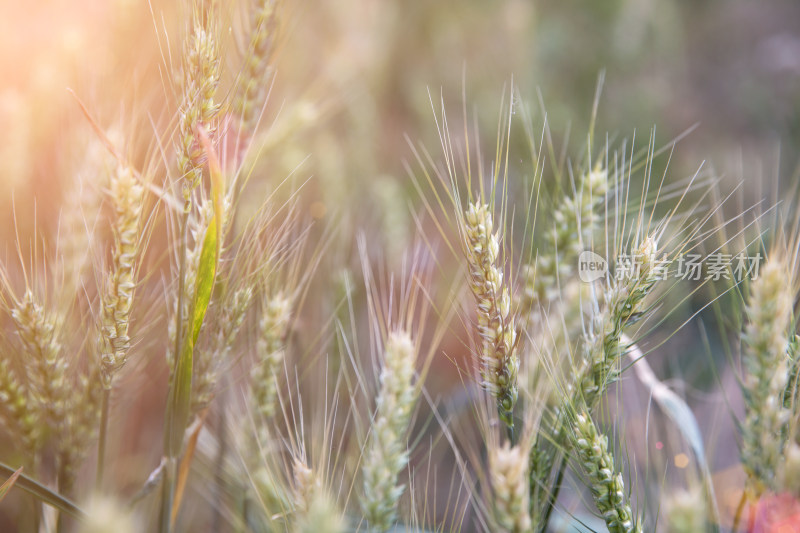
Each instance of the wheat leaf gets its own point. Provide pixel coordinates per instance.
(42, 493)
(5, 487)
(682, 417)
(182, 390)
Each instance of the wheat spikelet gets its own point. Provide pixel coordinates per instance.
(790, 399)
(385, 455)
(769, 311)
(603, 480)
(508, 467)
(499, 363)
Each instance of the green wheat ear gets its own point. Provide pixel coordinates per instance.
(604, 481)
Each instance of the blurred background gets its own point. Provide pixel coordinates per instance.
(355, 81)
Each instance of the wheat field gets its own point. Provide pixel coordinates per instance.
(358, 266)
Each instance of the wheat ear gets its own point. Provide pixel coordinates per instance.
(603, 479)
(685, 511)
(201, 72)
(769, 313)
(575, 220)
(127, 197)
(208, 360)
(603, 347)
(270, 353)
(385, 455)
(47, 368)
(508, 467)
(499, 362)
(15, 412)
(253, 86)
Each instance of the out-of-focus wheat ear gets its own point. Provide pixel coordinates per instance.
(208, 360)
(87, 399)
(685, 511)
(304, 484)
(201, 73)
(321, 515)
(127, 197)
(769, 314)
(602, 478)
(46, 367)
(385, 455)
(79, 217)
(508, 468)
(789, 477)
(499, 363)
(603, 347)
(107, 515)
(270, 354)
(574, 222)
(15, 412)
(253, 86)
